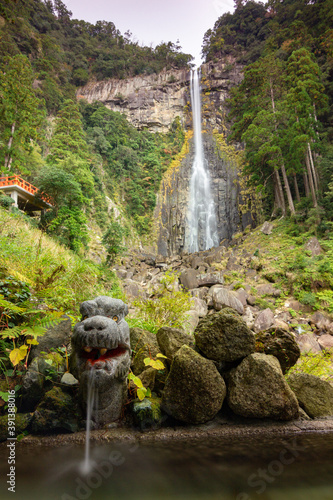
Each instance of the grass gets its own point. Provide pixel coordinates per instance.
(318, 364)
(54, 273)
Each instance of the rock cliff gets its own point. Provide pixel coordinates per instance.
(154, 101)
(151, 101)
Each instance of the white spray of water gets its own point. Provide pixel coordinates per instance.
(202, 223)
(91, 403)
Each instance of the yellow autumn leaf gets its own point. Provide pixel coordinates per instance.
(141, 393)
(17, 354)
(32, 341)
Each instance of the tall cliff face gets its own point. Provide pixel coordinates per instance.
(151, 101)
(172, 203)
(154, 101)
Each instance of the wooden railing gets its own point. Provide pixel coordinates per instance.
(16, 180)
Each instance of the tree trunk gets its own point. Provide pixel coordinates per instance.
(284, 175)
(279, 191)
(314, 172)
(306, 184)
(312, 188)
(287, 188)
(298, 198)
(8, 156)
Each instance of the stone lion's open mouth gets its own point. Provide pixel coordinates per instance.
(100, 354)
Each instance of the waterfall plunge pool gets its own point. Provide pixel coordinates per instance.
(279, 466)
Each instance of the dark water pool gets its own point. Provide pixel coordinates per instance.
(274, 468)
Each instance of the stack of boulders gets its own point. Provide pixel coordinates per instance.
(224, 364)
(229, 276)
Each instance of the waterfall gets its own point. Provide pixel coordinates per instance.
(202, 225)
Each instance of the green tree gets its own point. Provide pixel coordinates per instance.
(68, 136)
(21, 112)
(113, 240)
(66, 220)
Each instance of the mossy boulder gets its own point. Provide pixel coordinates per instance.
(224, 336)
(144, 345)
(147, 413)
(57, 412)
(258, 389)
(22, 421)
(194, 390)
(279, 343)
(170, 340)
(314, 395)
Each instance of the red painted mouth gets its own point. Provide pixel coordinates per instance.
(98, 354)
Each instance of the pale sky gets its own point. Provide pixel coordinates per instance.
(154, 21)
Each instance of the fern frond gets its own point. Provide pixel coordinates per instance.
(12, 333)
(10, 307)
(51, 319)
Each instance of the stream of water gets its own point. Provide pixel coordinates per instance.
(202, 224)
(91, 403)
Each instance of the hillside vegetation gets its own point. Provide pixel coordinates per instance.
(282, 110)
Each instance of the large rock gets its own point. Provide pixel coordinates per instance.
(267, 228)
(258, 389)
(268, 289)
(22, 421)
(308, 342)
(326, 342)
(314, 246)
(54, 337)
(194, 390)
(221, 297)
(144, 345)
(224, 336)
(170, 340)
(57, 412)
(191, 321)
(314, 395)
(210, 279)
(264, 320)
(188, 279)
(32, 387)
(281, 344)
(200, 306)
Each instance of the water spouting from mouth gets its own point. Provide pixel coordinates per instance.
(91, 403)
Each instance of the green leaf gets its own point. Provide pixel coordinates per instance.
(141, 393)
(135, 379)
(159, 355)
(4, 396)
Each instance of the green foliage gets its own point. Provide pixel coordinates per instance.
(141, 391)
(31, 324)
(167, 308)
(21, 112)
(32, 257)
(66, 220)
(113, 240)
(68, 136)
(318, 364)
(134, 160)
(66, 52)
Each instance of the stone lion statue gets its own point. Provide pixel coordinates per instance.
(102, 356)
